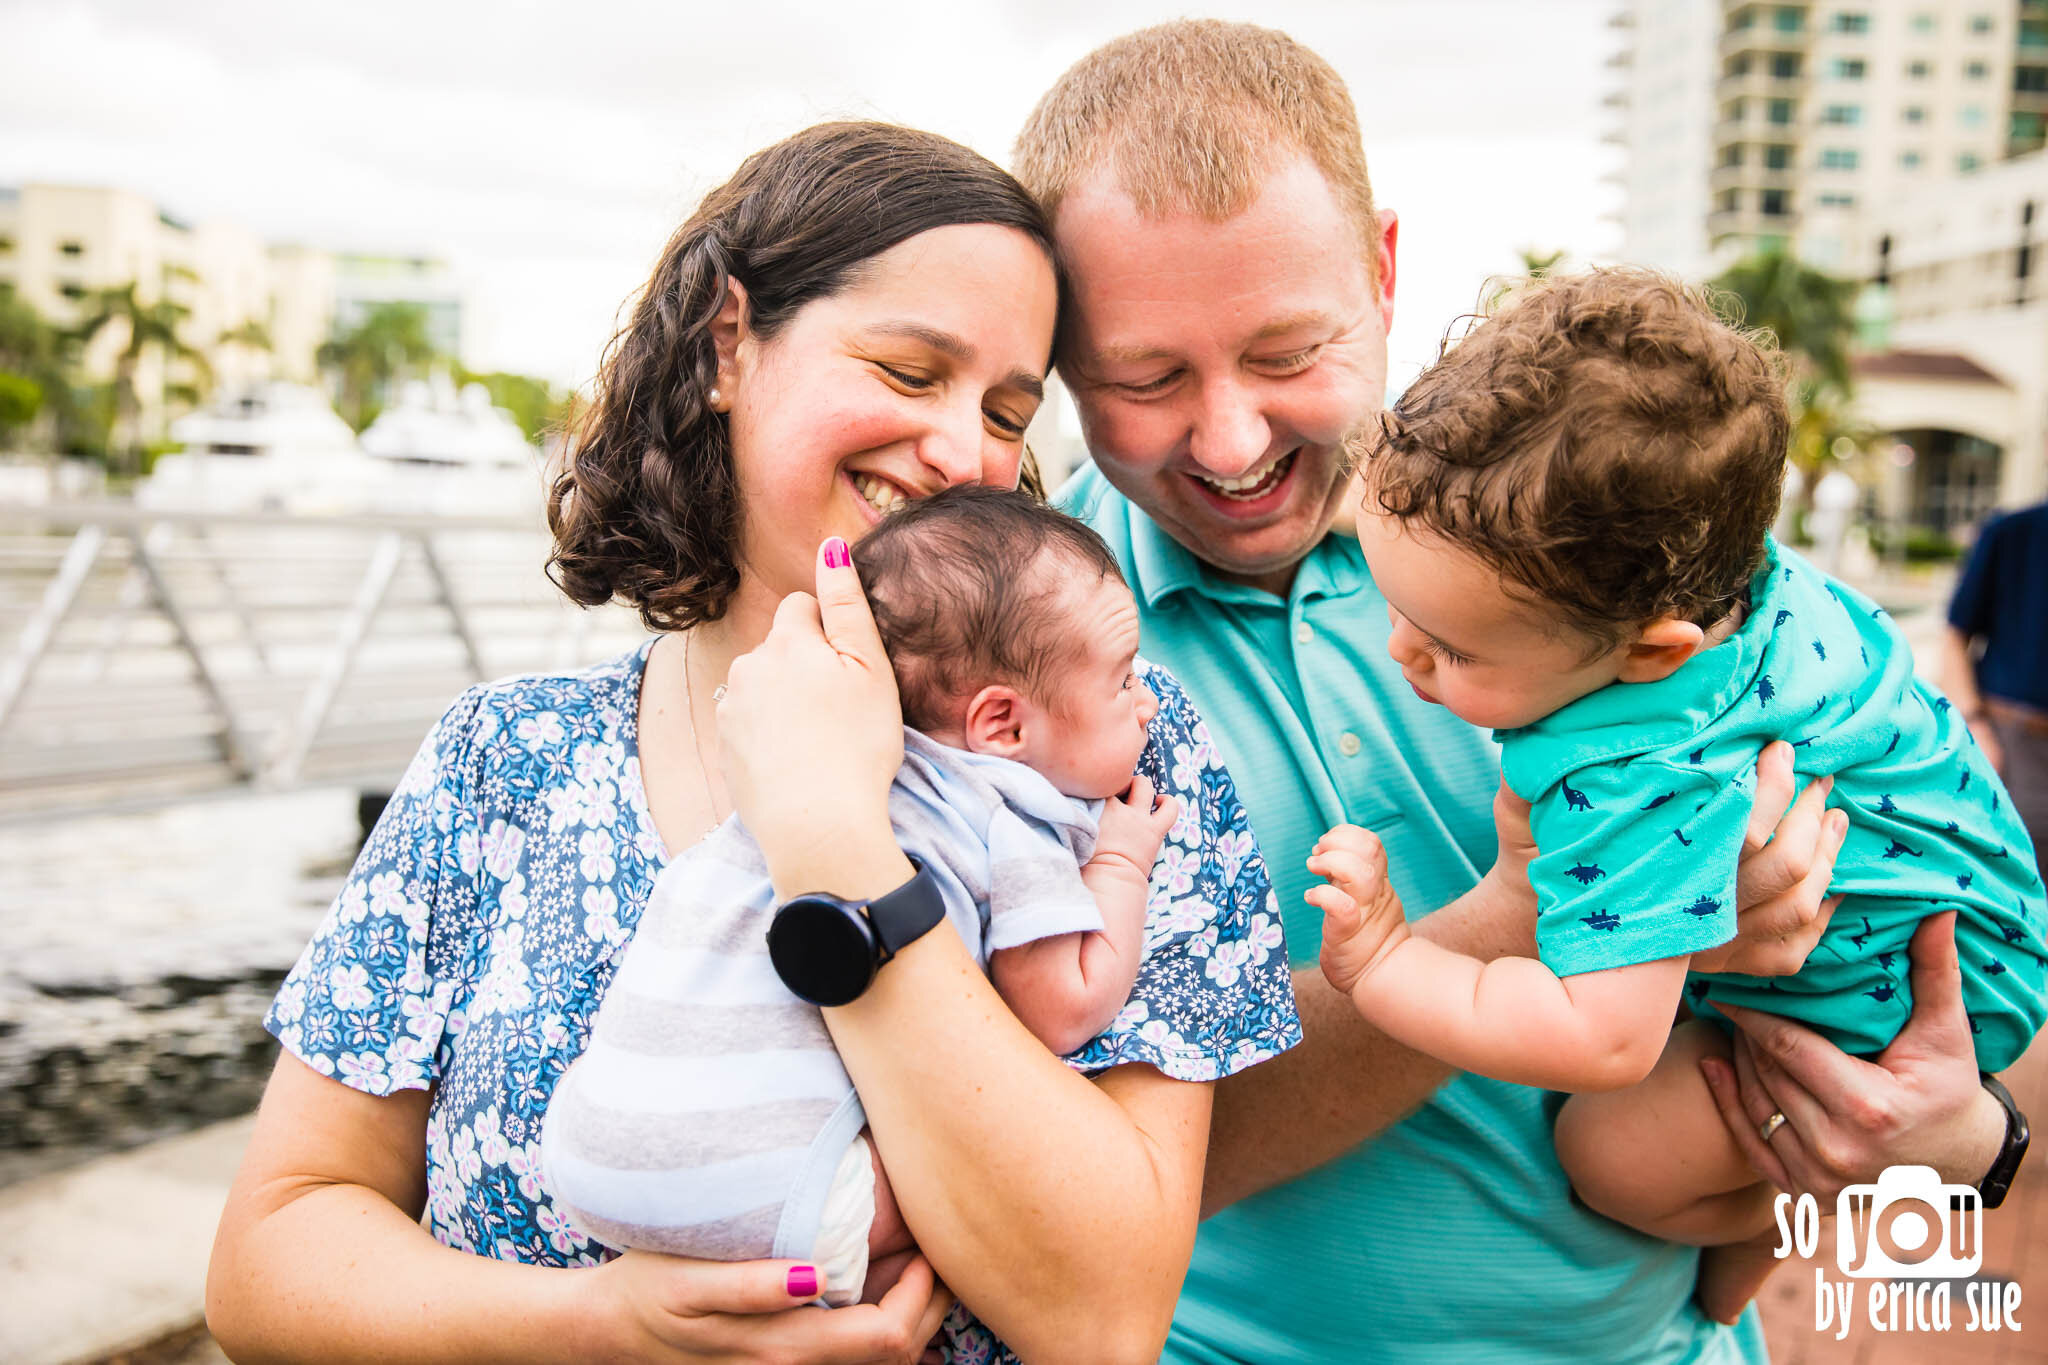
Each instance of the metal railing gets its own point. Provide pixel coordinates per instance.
(158, 654)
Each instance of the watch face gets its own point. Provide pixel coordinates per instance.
(823, 951)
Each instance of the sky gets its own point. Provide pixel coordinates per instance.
(546, 151)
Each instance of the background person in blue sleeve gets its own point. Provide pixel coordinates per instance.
(1231, 285)
(2001, 605)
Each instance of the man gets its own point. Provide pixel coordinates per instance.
(1232, 286)
(2001, 602)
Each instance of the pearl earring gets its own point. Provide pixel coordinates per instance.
(715, 399)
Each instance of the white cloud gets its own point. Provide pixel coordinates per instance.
(548, 150)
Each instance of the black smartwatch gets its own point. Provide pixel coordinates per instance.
(1998, 1179)
(827, 950)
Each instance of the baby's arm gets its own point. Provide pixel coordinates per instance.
(1067, 988)
(1512, 1018)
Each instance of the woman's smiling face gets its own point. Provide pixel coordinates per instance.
(922, 373)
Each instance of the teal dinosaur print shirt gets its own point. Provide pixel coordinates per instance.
(1642, 791)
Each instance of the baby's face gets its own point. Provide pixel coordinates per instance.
(1467, 644)
(1089, 745)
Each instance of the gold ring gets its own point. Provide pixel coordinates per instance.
(1769, 1127)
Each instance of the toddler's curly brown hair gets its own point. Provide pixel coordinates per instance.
(1606, 441)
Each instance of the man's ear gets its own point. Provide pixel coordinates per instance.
(1390, 240)
(1660, 648)
(995, 721)
(728, 332)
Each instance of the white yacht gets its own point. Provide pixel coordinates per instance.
(268, 447)
(452, 453)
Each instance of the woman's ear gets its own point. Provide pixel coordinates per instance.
(1660, 648)
(995, 721)
(728, 333)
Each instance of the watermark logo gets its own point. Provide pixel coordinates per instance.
(1908, 1239)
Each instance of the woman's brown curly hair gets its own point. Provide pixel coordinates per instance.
(1606, 441)
(646, 508)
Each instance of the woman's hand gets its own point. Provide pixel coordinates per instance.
(812, 733)
(1920, 1103)
(664, 1308)
(1781, 883)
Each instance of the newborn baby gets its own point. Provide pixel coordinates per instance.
(709, 1115)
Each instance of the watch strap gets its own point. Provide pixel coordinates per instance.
(1998, 1180)
(908, 913)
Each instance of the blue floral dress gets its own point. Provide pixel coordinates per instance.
(469, 948)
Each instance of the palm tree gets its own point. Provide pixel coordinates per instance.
(389, 344)
(1810, 312)
(152, 325)
(35, 358)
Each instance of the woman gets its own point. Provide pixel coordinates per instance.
(862, 314)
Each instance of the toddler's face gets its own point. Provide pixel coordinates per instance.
(1087, 741)
(1467, 644)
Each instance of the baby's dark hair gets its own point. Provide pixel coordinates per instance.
(1606, 441)
(965, 586)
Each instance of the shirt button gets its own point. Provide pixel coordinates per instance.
(1347, 744)
(1303, 633)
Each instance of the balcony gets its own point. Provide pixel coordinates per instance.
(1760, 85)
(1749, 221)
(1751, 175)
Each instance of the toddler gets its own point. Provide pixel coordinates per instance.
(1567, 516)
(709, 1115)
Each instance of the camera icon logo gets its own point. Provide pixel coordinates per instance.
(1909, 1225)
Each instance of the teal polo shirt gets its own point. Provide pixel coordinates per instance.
(1450, 1237)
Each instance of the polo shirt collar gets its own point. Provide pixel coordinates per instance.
(1164, 567)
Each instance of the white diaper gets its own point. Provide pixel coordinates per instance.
(841, 1251)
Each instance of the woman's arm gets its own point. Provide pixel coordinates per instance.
(320, 1256)
(1059, 1210)
(1348, 1082)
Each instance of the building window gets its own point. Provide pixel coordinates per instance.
(1838, 201)
(2033, 79)
(74, 292)
(1843, 114)
(1923, 22)
(2026, 127)
(1967, 162)
(1976, 71)
(2033, 33)
(1730, 200)
(1980, 23)
(1847, 69)
(1972, 116)
(1738, 65)
(1909, 161)
(1777, 157)
(1779, 112)
(1731, 155)
(72, 248)
(1916, 71)
(1913, 113)
(1838, 159)
(1772, 202)
(1850, 21)
(1789, 19)
(1785, 66)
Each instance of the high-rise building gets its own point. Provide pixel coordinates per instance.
(1811, 113)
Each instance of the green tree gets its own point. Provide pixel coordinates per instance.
(1810, 312)
(535, 404)
(145, 327)
(34, 368)
(389, 344)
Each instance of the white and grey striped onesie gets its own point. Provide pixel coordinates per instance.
(709, 1115)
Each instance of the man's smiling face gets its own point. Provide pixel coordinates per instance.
(1220, 366)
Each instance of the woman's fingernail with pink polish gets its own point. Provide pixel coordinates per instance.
(837, 556)
(803, 1282)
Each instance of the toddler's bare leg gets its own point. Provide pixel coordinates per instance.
(1657, 1158)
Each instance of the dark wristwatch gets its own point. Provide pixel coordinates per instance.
(1998, 1179)
(827, 950)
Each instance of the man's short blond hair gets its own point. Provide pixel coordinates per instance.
(1190, 115)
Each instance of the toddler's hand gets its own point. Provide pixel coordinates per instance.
(1133, 827)
(1362, 919)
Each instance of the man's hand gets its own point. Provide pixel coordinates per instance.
(1919, 1103)
(1362, 919)
(1781, 883)
(1133, 827)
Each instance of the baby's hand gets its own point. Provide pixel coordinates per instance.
(1133, 828)
(1362, 919)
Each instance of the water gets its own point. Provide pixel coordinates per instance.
(138, 952)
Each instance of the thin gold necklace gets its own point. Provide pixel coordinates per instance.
(696, 740)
